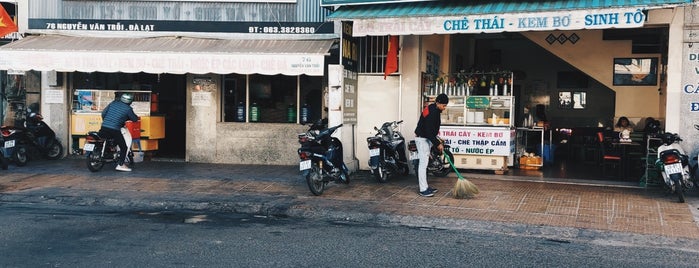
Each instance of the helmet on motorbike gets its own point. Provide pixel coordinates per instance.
(669, 138)
(126, 98)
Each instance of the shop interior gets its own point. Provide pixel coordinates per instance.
(163, 95)
(577, 112)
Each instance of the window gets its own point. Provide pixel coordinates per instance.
(372, 54)
(271, 98)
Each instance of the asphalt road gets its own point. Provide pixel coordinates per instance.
(40, 235)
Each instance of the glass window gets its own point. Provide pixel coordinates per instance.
(272, 98)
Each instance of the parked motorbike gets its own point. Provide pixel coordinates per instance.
(673, 165)
(438, 165)
(387, 152)
(321, 157)
(14, 145)
(100, 150)
(3, 159)
(42, 137)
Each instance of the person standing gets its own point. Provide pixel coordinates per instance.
(114, 117)
(425, 136)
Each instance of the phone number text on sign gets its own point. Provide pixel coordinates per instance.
(479, 141)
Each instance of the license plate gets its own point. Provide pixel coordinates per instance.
(303, 165)
(89, 147)
(374, 152)
(673, 168)
(413, 155)
(10, 144)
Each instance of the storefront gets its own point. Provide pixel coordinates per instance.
(562, 56)
(236, 89)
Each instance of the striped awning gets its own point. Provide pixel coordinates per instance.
(176, 55)
(482, 16)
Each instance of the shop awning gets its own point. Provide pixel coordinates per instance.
(483, 16)
(176, 55)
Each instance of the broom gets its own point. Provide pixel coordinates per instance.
(463, 187)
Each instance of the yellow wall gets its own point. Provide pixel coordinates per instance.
(595, 56)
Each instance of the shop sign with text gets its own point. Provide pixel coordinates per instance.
(477, 141)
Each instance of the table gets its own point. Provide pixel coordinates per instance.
(625, 148)
(523, 137)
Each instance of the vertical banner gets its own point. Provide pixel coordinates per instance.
(391, 56)
(7, 26)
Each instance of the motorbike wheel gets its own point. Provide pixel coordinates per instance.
(314, 178)
(3, 161)
(445, 167)
(94, 162)
(679, 189)
(380, 174)
(21, 158)
(55, 151)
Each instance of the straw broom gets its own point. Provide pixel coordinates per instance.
(463, 187)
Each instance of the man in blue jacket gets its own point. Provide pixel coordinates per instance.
(114, 117)
(425, 136)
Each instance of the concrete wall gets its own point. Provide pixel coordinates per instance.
(257, 143)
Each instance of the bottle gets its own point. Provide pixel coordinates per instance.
(240, 112)
(291, 114)
(305, 113)
(254, 112)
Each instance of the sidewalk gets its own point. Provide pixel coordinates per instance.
(509, 203)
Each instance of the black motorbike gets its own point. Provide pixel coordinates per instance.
(438, 165)
(15, 145)
(387, 152)
(42, 138)
(100, 151)
(3, 159)
(321, 157)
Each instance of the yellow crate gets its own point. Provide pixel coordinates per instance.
(153, 127)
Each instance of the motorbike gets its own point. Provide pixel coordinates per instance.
(673, 165)
(100, 150)
(42, 137)
(438, 165)
(14, 145)
(387, 152)
(321, 158)
(3, 159)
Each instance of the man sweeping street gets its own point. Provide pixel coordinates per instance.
(425, 136)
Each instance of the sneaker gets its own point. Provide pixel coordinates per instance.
(123, 168)
(434, 190)
(427, 193)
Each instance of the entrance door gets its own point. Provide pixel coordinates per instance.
(171, 103)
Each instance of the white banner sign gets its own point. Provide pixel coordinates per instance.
(478, 141)
(496, 23)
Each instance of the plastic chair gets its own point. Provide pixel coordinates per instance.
(610, 158)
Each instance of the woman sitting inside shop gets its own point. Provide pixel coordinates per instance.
(623, 124)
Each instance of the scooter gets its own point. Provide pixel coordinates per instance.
(42, 137)
(321, 158)
(14, 145)
(673, 165)
(387, 152)
(438, 165)
(100, 150)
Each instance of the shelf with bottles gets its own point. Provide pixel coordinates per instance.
(95, 100)
(497, 83)
(479, 110)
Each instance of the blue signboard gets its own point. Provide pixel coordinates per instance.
(364, 2)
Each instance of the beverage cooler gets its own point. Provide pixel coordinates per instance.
(87, 116)
(478, 123)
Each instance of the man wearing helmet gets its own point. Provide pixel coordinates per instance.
(114, 117)
(425, 136)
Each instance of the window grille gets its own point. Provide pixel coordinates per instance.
(372, 54)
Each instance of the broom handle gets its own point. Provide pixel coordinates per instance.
(452, 166)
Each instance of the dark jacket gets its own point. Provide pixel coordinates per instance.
(429, 123)
(116, 114)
